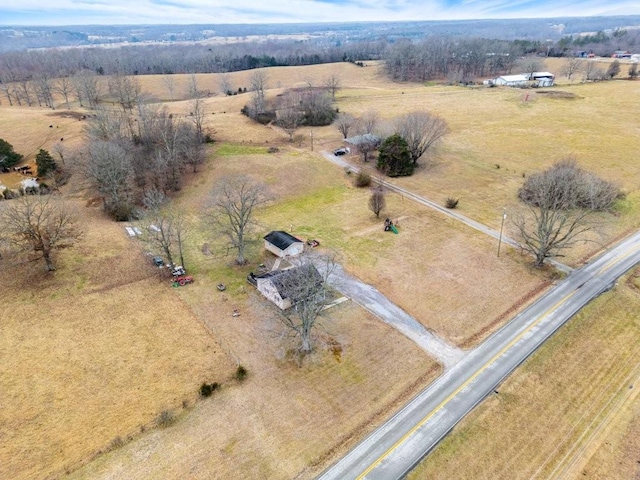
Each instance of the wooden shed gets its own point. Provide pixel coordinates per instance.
(283, 244)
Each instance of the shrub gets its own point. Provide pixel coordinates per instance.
(451, 202)
(363, 179)
(165, 419)
(241, 373)
(207, 389)
(116, 443)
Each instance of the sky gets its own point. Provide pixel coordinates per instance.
(112, 12)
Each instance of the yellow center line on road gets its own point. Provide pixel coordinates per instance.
(610, 263)
(486, 365)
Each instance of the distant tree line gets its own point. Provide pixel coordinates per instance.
(35, 76)
(454, 59)
(172, 59)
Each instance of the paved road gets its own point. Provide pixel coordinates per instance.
(397, 446)
(445, 211)
(374, 301)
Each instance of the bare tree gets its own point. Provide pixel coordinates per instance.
(289, 119)
(344, 123)
(38, 226)
(197, 117)
(193, 87)
(530, 65)
(64, 86)
(25, 90)
(546, 231)
(369, 121)
(332, 83)
(108, 167)
(592, 72)
(421, 130)
(7, 86)
(377, 201)
(572, 66)
(126, 90)
(194, 154)
(308, 288)
(258, 81)
(232, 204)
(225, 84)
(633, 71)
(166, 230)
(170, 83)
(87, 88)
(559, 206)
(60, 150)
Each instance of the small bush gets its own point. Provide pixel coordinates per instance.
(363, 179)
(241, 373)
(165, 419)
(208, 138)
(451, 202)
(273, 150)
(207, 389)
(116, 443)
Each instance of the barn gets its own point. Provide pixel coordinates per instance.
(511, 80)
(284, 287)
(283, 244)
(542, 79)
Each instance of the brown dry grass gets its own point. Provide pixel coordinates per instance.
(570, 411)
(284, 421)
(458, 287)
(443, 273)
(93, 352)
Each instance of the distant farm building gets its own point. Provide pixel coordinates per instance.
(535, 79)
(621, 54)
(284, 287)
(283, 244)
(542, 79)
(511, 80)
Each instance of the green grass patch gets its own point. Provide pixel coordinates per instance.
(228, 149)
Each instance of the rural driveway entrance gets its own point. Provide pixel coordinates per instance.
(371, 299)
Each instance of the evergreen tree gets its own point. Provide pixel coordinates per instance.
(45, 163)
(8, 157)
(394, 158)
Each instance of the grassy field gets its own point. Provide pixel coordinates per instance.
(107, 382)
(284, 421)
(93, 353)
(571, 411)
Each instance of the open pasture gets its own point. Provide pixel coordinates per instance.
(571, 411)
(157, 354)
(94, 352)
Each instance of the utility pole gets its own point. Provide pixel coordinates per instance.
(504, 217)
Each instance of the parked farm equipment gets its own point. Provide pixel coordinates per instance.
(181, 280)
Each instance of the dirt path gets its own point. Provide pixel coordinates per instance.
(371, 299)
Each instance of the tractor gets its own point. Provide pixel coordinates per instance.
(181, 280)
